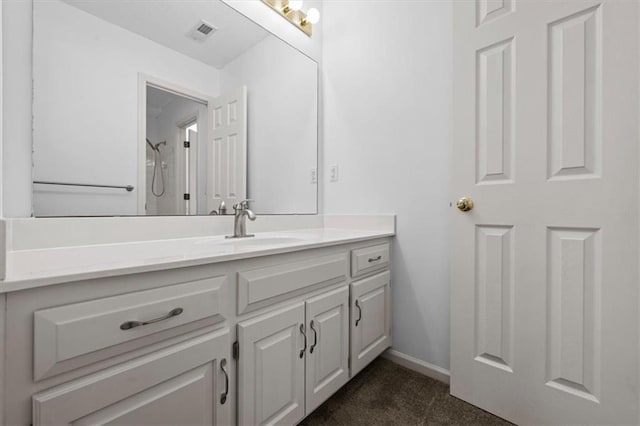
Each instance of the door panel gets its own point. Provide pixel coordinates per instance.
(181, 385)
(227, 151)
(271, 367)
(494, 296)
(327, 367)
(370, 319)
(544, 279)
(575, 94)
(573, 291)
(494, 162)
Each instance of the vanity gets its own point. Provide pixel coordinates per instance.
(194, 331)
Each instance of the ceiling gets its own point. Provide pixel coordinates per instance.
(167, 22)
(157, 99)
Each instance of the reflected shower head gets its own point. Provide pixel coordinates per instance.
(155, 147)
(151, 145)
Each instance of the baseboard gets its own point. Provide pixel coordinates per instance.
(417, 365)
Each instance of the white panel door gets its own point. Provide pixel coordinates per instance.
(328, 354)
(370, 319)
(186, 384)
(227, 151)
(544, 296)
(271, 367)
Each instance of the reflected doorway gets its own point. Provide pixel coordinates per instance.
(172, 145)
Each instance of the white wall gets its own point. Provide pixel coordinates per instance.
(86, 74)
(16, 99)
(387, 117)
(282, 99)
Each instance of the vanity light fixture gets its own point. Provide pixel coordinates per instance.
(294, 5)
(292, 11)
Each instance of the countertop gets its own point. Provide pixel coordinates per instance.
(40, 267)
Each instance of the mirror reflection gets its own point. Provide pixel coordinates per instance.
(168, 108)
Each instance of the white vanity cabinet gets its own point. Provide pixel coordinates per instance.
(292, 359)
(185, 384)
(259, 340)
(70, 336)
(271, 368)
(370, 319)
(369, 259)
(327, 367)
(74, 356)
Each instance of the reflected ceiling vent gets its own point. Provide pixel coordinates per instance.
(201, 31)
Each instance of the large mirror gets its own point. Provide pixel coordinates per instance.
(162, 107)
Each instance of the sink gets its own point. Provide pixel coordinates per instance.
(257, 241)
(263, 241)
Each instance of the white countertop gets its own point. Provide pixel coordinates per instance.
(39, 267)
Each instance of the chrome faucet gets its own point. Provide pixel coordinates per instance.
(240, 219)
(222, 210)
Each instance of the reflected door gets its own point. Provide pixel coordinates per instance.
(227, 154)
(191, 173)
(544, 297)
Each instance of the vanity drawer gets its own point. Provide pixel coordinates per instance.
(369, 259)
(179, 385)
(66, 332)
(258, 288)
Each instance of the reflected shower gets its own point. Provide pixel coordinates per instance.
(157, 158)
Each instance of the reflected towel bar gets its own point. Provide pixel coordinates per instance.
(129, 188)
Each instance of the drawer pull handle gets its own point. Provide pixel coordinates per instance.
(133, 324)
(359, 312)
(223, 397)
(315, 337)
(302, 351)
(375, 259)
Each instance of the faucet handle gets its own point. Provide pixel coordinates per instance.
(242, 205)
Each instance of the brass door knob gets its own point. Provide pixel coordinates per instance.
(464, 204)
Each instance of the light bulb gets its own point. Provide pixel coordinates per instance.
(295, 4)
(313, 16)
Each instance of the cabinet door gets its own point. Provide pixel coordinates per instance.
(328, 352)
(271, 367)
(180, 385)
(370, 319)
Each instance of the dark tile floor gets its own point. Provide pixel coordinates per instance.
(385, 393)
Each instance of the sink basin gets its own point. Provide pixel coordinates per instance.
(264, 241)
(257, 242)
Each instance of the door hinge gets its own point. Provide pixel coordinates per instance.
(236, 350)
(187, 197)
(187, 144)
